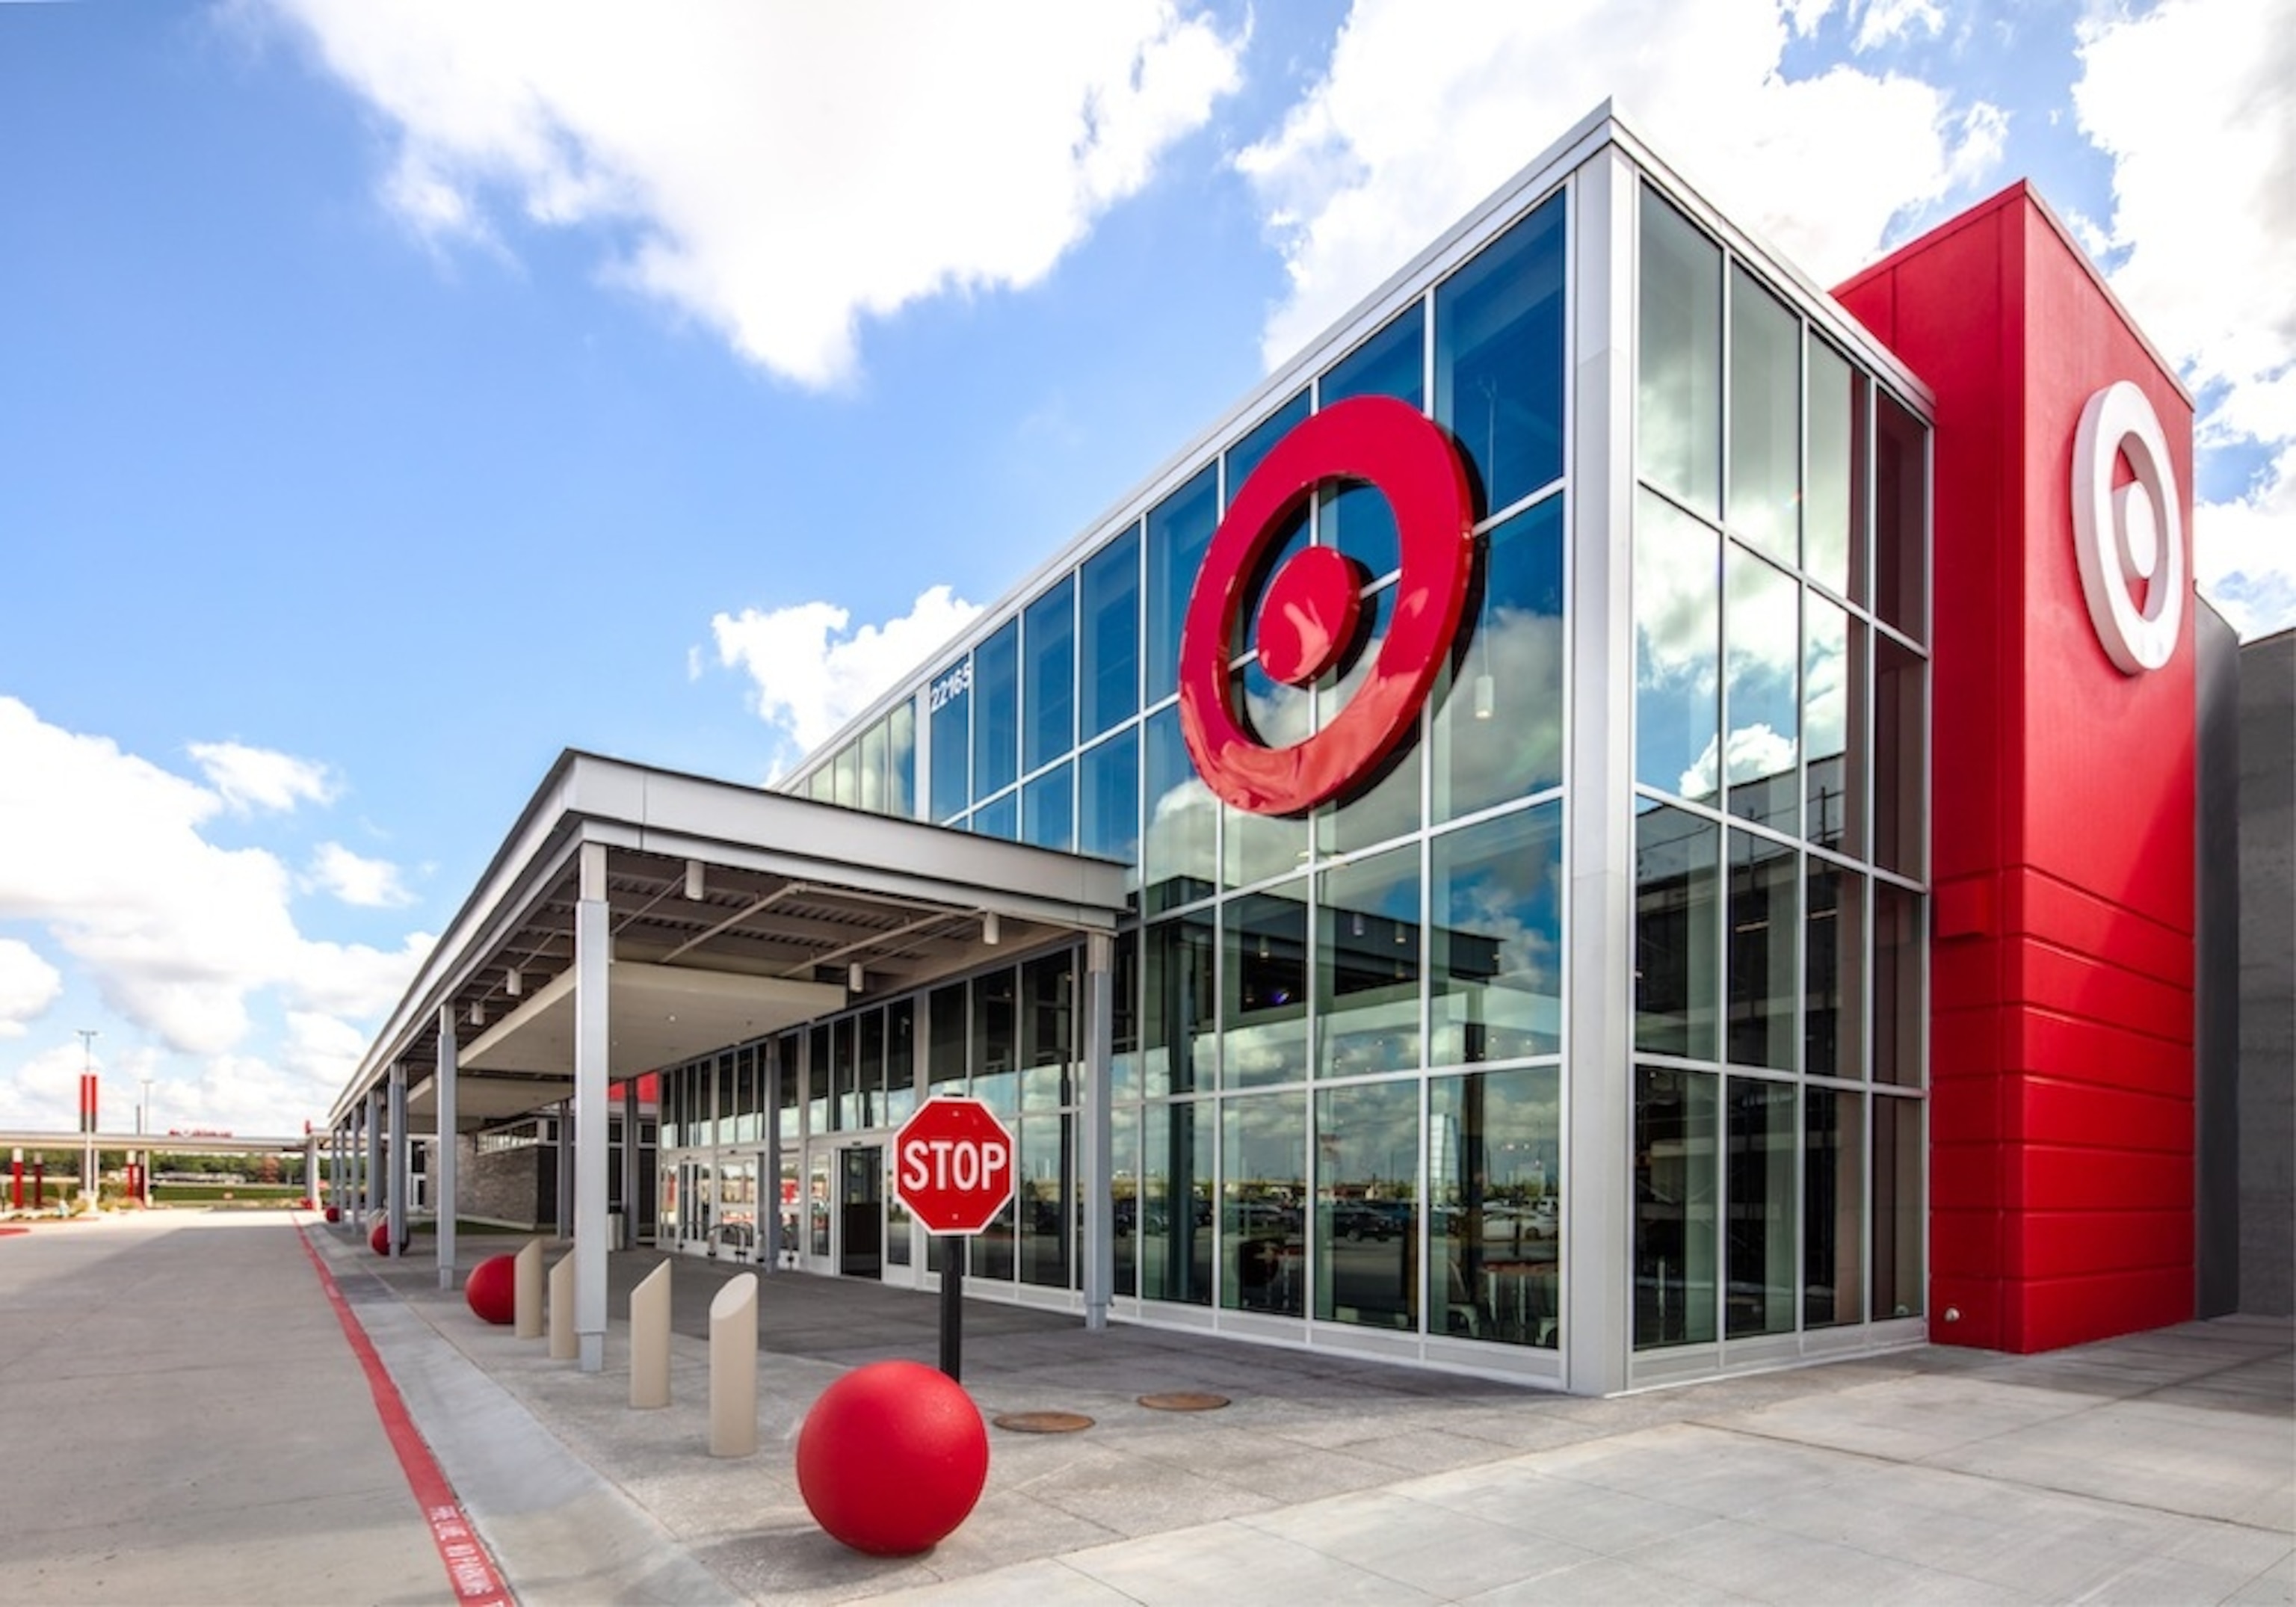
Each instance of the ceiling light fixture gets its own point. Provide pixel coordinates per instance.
(694, 889)
(512, 983)
(988, 932)
(854, 979)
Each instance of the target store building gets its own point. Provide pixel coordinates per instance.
(1622, 818)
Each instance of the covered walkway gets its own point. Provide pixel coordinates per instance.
(634, 918)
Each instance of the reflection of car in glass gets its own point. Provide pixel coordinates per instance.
(1370, 1219)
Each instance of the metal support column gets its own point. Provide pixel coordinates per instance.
(445, 1179)
(371, 1181)
(1096, 1170)
(593, 953)
(402, 1158)
(769, 1186)
(1599, 848)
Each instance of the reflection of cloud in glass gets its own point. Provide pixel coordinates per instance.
(1755, 751)
(1826, 685)
(1499, 728)
(1674, 621)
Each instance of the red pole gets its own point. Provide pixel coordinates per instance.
(16, 1182)
(39, 1183)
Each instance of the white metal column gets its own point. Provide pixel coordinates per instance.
(402, 1158)
(1099, 1129)
(444, 1181)
(1598, 1183)
(593, 946)
(371, 1190)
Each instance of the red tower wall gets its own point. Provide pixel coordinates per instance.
(2063, 813)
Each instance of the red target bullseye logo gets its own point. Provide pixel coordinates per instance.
(1311, 610)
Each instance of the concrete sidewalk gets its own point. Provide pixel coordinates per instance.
(182, 1422)
(2158, 1468)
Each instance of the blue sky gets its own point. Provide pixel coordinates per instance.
(392, 395)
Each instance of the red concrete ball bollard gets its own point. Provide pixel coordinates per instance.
(891, 1459)
(379, 1240)
(334, 1213)
(493, 1290)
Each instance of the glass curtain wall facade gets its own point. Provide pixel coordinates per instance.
(1337, 1089)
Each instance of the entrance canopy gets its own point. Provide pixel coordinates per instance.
(733, 911)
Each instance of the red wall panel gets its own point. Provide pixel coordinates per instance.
(2061, 814)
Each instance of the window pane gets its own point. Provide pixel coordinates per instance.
(1898, 1273)
(1761, 690)
(1125, 1208)
(1677, 954)
(1366, 1181)
(1760, 1245)
(1177, 858)
(949, 720)
(1256, 847)
(1359, 520)
(1047, 1030)
(845, 1110)
(1046, 1187)
(1833, 1207)
(1266, 1021)
(821, 784)
(1498, 709)
(1176, 1201)
(873, 768)
(1832, 510)
(1900, 681)
(997, 711)
(945, 1043)
(1263, 1194)
(1367, 965)
(817, 1085)
(1833, 959)
(995, 1075)
(1049, 810)
(1495, 1205)
(1764, 418)
(1678, 412)
(845, 785)
(1678, 586)
(1108, 811)
(1898, 1001)
(1765, 923)
(1834, 726)
(1388, 806)
(901, 761)
(1901, 522)
(1497, 960)
(1244, 456)
(1675, 1177)
(900, 1062)
(870, 1084)
(1180, 1052)
(1499, 357)
(1001, 818)
(1180, 529)
(1109, 650)
(1050, 627)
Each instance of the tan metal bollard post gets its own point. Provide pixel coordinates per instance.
(525, 1283)
(650, 1339)
(565, 1344)
(734, 1368)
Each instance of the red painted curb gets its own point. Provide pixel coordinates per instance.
(470, 1566)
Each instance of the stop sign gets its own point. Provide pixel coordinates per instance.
(953, 1165)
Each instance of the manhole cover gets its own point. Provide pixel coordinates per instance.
(1183, 1400)
(1043, 1423)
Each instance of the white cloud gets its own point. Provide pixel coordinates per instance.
(1754, 751)
(2195, 103)
(257, 778)
(355, 879)
(780, 173)
(812, 674)
(1882, 22)
(29, 985)
(104, 850)
(1412, 125)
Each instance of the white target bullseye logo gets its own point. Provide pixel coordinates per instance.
(2129, 538)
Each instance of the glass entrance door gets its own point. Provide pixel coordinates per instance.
(861, 1211)
(686, 1206)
